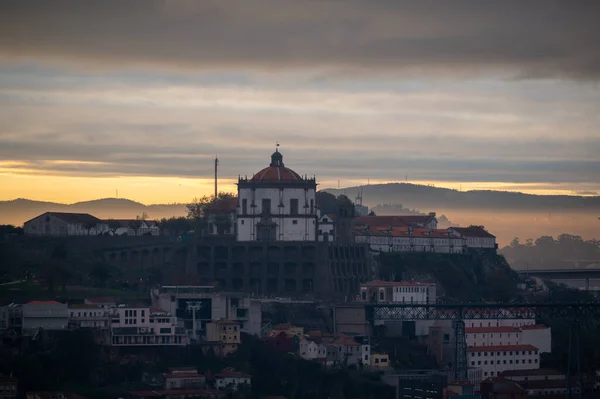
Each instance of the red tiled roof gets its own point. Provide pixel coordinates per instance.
(499, 329)
(494, 348)
(154, 309)
(345, 341)
(276, 173)
(393, 221)
(223, 205)
(473, 232)
(44, 303)
(534, 327)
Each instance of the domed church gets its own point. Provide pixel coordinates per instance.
(276, 204)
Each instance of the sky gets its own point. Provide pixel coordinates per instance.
(140, 96)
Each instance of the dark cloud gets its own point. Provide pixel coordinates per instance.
(521, 39)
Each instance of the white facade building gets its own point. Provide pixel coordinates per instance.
(231, 379)
(398, 291)
(47, 315)
(89, 316)
(277, 204)
(144, 326)
(326, 227)
(310, 350)
(496, 359)
(536, 335)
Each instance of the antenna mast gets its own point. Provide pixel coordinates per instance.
(216, 175)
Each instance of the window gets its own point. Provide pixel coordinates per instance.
(244, 207)
(266, 206)
(242, 221)
(294, 222)
(294, 206)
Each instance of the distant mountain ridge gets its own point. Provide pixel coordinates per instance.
(20, 210)
(427, 197)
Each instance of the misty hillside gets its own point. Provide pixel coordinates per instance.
(20, 210)
(427, 197)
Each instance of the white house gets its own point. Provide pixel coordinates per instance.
(476, 237)
(326, 227)
(64, 224)
(311, 350)
(496, 359)
(145, 326)
(231, 379)
(277, 204)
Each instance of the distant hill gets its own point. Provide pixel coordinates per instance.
(427, 197)
(20, 210)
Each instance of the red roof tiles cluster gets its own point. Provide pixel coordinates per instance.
(276, 173)
(472, 231)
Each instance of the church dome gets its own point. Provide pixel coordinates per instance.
(276, 171)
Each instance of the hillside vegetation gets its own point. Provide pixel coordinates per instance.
(469, 277)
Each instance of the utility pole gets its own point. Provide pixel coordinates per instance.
(216, 175)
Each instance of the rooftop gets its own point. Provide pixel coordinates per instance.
(532, 372)
(43, 303)
(534, 327)
(71, 218)
(381, 283)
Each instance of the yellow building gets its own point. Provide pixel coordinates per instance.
(380, 360)
(226, 333)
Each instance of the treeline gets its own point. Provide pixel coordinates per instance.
(546, 252)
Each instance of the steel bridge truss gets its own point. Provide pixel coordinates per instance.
(575, 312)
(489, 311)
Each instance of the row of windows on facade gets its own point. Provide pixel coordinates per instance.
(85, 314)
(142, 321)
(485, 362)
(146, 340)
(133, 313)
(266, 206)
(510, 353)
(492, 335)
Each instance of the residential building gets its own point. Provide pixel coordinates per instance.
(537, 335)
(398, 291)
(501, 388)
(145, 326)
(533, 375)
(380, 361)
(326, 227)
(11, 317)
(64, 224)
(476, 237)
(496, 359)
(461, 389)
(400, 236)
(184, 378)
(197, 306)
(225, 334)
(131, 227)
(311, 349)
(8, 386)
(89, 316)
(47, 315)
(276, 204)
(417, 384)
(231, 379)
(221, 217)
(350, 352)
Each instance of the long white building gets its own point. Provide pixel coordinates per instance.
(496, 359)
(145, 326)
(277, 204)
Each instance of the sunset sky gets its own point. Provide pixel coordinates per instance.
(140, 96)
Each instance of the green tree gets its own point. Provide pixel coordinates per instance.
(196, 210)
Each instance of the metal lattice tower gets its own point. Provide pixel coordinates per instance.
(460, 351)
